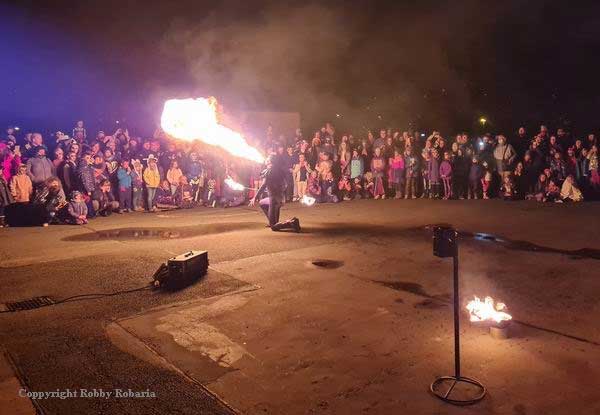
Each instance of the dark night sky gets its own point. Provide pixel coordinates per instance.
(434, 64)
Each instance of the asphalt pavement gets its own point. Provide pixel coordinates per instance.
(358, 271)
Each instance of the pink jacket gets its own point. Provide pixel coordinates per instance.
(10, 165)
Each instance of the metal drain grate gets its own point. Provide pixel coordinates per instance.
(29, 304)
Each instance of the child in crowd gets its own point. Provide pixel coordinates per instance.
(173, 175)
(433, 173)
(164, 199)
(552, 192)
(183, 194)
(329, 190)
(211, 193)
(137, 185)
(357, 165)
(314, 186)
(301, 172)
(378, 169)
(345, 187)
(357, 188)
(446, 175)
(124, 183)
(369, 191)
(21, 187)
(508, 188)
(475, 176)
(6, 199)
(152, 180)
(77, 209)
(594, 173)
(426, 165)
(486, 180)
(411, 167)
(396, 176)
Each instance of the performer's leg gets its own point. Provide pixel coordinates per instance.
(273, 211)
(265, 206)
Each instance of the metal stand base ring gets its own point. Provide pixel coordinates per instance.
(453, 381)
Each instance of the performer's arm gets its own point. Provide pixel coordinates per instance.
(260, 191)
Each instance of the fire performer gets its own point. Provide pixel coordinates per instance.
(274, 184)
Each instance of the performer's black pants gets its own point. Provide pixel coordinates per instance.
(271, 206)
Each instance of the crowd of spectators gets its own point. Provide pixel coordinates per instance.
(73, 178)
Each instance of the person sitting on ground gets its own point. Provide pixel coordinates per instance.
(183, 194)
(569, 191)
(77, 209)
(357, 188)
(552, 192)
(49, 201)
(103, 200)
(164, 197)
(539, 190)
(345, 187)
(507, 189)
(314, 186)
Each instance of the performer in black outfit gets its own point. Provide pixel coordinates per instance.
(274, 184)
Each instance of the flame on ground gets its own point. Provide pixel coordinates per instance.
(233, 184)
(196, 119)
(487, 311)
(307, 200)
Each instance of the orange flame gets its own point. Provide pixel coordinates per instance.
(487, 311)
(196, 119)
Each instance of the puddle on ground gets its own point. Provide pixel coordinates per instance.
(326, 263)
(581, 253)
(163, 233)
(366, 230)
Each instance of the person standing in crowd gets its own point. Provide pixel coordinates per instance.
(86, 175)
(446, 175)
(6, 199)
(378, 170)
(302, 172)
(397, 174)
(124, 183)
(39, 168)
(173, 175)
(475, 176)
(21, 187)
(137, 184)
(79, 133)
(411, 168)
(67, 173)
(505, 156)
(10, 160)
(152, 180)
(433, 172)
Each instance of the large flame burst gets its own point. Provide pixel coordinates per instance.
(487, 310)
(196, 119)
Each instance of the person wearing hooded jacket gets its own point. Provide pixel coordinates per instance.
(39, 168)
